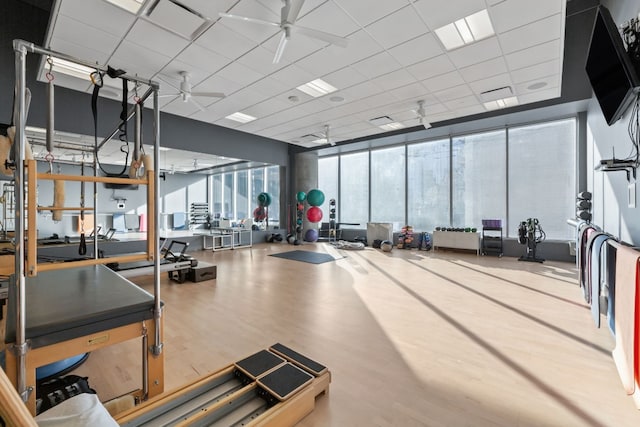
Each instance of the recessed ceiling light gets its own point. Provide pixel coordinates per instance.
(392, 126)
(316, 88)
(240, 117)
(466, 30)
(382, 120)
(501, 103)
(71, 68)
(536, 86)
(132, 6)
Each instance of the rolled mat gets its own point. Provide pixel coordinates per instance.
(625, 317)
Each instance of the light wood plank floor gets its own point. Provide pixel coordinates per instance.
(411, 338)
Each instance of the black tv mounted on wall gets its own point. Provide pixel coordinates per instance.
(611, 72)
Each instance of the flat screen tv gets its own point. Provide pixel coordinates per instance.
(612, 74)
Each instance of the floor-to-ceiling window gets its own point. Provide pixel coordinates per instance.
(479, 178)
(512, 174)
(353, 209)
(328, 182)
(272, 186)
(542, 176)
(428, 175)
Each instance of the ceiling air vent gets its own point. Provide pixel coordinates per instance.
(494, 94)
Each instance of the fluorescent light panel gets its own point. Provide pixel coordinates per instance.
(392, 126)
(316, 88)
(501, 103)
(132, 6)
(70, 68)
(466, 30)
(240, 117)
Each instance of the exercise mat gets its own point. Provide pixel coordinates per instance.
(306, 256)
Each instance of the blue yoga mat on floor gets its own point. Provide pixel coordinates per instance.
(306, 256)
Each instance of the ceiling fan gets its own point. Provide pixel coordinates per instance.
(327, 136)
(288, 15)
(185, 92)
(421, 115)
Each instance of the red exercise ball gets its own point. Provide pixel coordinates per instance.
(259, 214)
(314, 214)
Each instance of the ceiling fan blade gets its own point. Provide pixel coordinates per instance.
(209, 94)
(281, 46)
(321, 35)
(291, 10)
(169, 95)
(247, 19)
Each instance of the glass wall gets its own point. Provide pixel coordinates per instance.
(479, 178)
(428, 177)
(353, 207)
(528, 171)
(273, 188)
(328, 178)
(388, 186)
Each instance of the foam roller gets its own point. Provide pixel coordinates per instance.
(58, 199)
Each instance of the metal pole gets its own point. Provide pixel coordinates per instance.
(157, 311)
(130, 114)
(19, 274)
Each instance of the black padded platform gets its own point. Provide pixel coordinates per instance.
(65, 304)
(259, 363)
(285, 381)
(299, 360)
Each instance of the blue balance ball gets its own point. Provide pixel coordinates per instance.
(311, 235)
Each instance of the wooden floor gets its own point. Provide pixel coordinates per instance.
(411, 338)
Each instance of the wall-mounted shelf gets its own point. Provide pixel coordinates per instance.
(616, 165)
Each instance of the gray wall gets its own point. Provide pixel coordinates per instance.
(611, 210)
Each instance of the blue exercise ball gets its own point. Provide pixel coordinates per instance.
(311, 235)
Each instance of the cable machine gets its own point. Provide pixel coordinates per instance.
(530, 233)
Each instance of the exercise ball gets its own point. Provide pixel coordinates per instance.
(311, 235)
(300, 206)
(386, 245)
(264, 199)
(314, 214)
(259, 214)
(301, 196)
(315, 197)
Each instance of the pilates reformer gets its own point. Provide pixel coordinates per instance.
(176, 264)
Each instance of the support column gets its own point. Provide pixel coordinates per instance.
(305, 178)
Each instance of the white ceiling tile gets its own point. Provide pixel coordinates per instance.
(470, 110)
(361, 90)
(239, 73)
(443, 81)
(217, 83)
(491, 83)
(431, 67)
(67, 29)
(511, 14)
(269, 87)
(136, 59)
(545, 30)
(328, 12)
(65, 80)
(484, 69)
(251, 30)
(541, 95)
(156, 39)
(344, 78)
(454, 93)
(293, 76)
(209, 8)
(174, 68)
(550, 82)
(78, 51)
(436, 14)
(534, 55)
(267, 107)
(416, 50)
(111, 19)
(203, 59)
(434, 109)
(376, 65)
(536, 71)
(322, 62)
(361, 46)
(477, 52)
(261, 60)
(394, 80)
(364, 14)
(228, 43)
(409, 91)
(397, 27)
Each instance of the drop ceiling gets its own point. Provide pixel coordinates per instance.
(392, 61)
